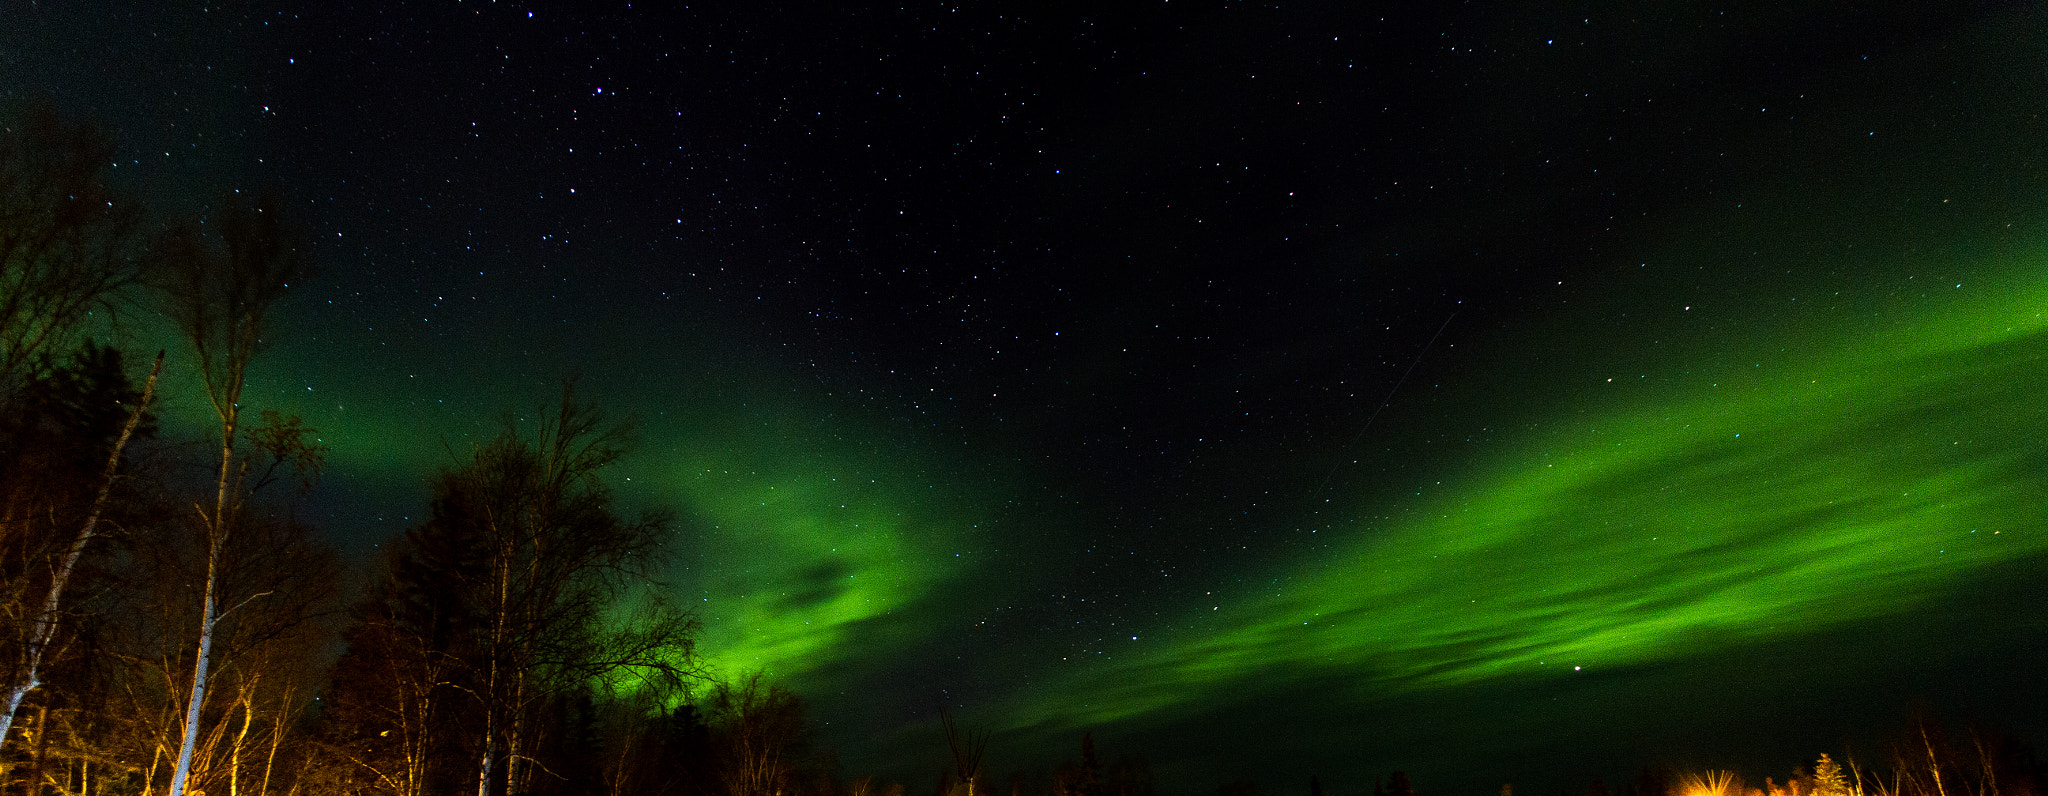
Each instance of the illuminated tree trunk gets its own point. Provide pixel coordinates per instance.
(1933, 760)
(276, 740)
(46, 618)
(247, 699)
(493, 704)
(219, 296)
(217, 534)
(483, 777)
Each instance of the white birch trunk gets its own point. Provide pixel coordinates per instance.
(184, 767)
(483, 779)
(217, 530)
(46, 619)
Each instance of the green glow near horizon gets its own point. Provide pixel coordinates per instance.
(808, 534)
(1845, 480)
(814, 544)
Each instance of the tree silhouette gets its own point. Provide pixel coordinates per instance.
(51, 436)
(761, 736)
(559, 591)
(68, 244)
(396, 715)
(1131, 775)
(1398, 785)
(1653, 781)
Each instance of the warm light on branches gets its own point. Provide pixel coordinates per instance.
(1711, 783)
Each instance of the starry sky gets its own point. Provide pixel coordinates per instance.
(1513, 392)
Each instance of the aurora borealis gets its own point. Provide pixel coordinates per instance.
(1494, 394)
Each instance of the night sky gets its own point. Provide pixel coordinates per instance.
(1498, 392)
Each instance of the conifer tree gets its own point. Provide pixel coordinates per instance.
(1398, 785)
(396, 711)
(67, 248)
(1828, 779)
(72, 401)
(1088, 779)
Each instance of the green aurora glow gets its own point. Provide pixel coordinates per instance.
(1839, 480)
(1687, 462)
(1838, 477)
(1855, 475)
(799, 519)
(810, 540)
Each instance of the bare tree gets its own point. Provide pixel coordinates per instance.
(761, 736)
(43, 626)
(1926, 760)
(219, 294)
(560, 593)
(647, 748)
(266, 656)
(967, 747)
(67, 244)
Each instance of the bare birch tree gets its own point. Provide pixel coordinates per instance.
(560, 593)
(67, 247)
(219, 294)
(761, 736)
(43, 627)
(968, 747)
(67, 244)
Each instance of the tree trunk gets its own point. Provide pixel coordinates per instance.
(35, 769)
(156, 760)
(277, 737)
(483, 779)
(46, 619)
(199, 666)
(217, 531)
(248, 701)
(513, 762)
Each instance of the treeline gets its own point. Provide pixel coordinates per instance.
(1921, 759)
